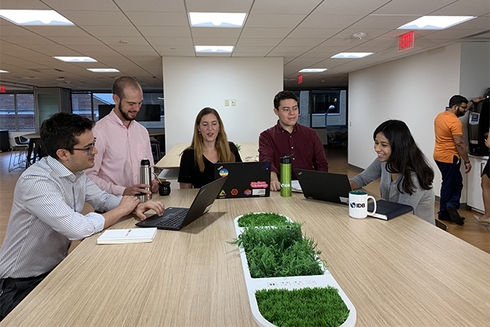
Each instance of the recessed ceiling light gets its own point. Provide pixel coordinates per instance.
(352, 55)
(435, 22)
(312, 70)
(75, 59)
(3, 71)
(214, 48)
(359, 35)
(210, 19)
(35, 17)
(103, 70)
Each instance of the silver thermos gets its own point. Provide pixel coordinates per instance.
(145, 178)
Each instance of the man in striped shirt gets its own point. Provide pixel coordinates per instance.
(47, 210)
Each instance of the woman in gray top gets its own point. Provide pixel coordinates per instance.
(405, 176)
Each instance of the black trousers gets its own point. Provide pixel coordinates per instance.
(451, 187)
(14, 290)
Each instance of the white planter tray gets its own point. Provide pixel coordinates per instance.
(290, 283)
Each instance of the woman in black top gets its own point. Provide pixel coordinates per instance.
(209, 146)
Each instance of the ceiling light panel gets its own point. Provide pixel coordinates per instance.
(207, 19)
(312, 70)
(75, 59)
(35, 17)
(435, 22)
(103, 70)
(213, 49)
(352, 55)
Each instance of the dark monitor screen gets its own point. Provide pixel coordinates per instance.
(148, 112)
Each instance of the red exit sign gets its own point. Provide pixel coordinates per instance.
(405, 41)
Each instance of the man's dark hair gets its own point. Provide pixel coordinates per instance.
(284, 95)
(457, 100)
(122, 83)
(61, 131)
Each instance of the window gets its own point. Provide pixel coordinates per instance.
(328, 107)
(325, 100)
(81, 103)
(25, 112)
(101, 99)
(7, 112)
(17, 112)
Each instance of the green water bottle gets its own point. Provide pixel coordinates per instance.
(285, 172)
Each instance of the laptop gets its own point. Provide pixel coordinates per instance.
(320, 185)
(245, 179)
(175, 218)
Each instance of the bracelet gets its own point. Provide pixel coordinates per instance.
(467, 163)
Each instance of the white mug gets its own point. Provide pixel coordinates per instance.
(358, 204)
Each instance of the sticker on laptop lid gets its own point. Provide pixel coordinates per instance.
(259, 184)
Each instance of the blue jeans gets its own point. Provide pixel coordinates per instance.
(452, 185)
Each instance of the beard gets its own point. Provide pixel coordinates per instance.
(124, 114)
(460, 113)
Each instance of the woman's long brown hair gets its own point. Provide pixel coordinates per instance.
(222, 146)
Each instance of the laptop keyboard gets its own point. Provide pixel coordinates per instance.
(173, 219)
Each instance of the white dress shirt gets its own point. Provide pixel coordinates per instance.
(46, 216)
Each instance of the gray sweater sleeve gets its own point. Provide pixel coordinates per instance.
(421, 200)
(371, 173)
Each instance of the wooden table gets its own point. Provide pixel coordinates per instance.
(402, 272)
(248, 152)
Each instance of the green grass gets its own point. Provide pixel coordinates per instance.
(262, 219)
(302, 307)
(279, 252)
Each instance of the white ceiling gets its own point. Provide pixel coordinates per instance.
(306, 33)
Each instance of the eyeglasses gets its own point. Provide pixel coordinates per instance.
(88, 148)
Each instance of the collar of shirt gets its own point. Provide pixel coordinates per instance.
(112, 116)
(60, 170)
(279, 127)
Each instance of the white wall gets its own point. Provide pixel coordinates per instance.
(475, 68)
(191, 84)
(414, 89)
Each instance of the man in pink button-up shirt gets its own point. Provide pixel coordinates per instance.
(121, 143)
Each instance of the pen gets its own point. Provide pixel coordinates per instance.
(129, 231)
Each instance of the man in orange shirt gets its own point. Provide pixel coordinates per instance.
(449, 149)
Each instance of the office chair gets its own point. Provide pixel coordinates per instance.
(19, 152)
(155, 149)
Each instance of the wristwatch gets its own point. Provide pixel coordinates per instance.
(467, 163)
